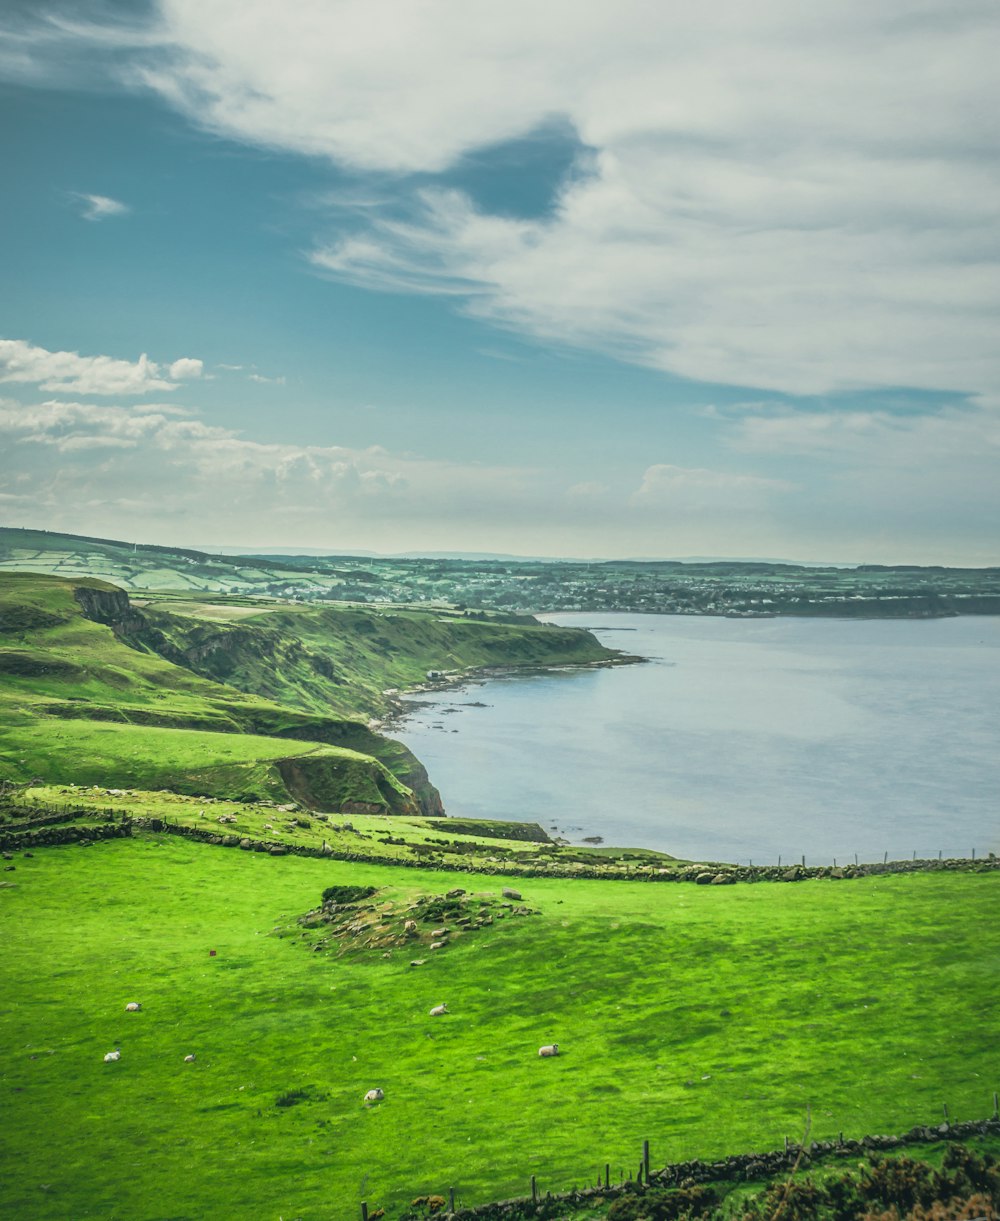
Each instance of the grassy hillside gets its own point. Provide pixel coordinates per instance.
(137, 566)
(343, 659)
(76, 704)
(704, 1019)
(97, 691)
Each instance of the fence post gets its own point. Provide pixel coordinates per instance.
(607, 1165)
(973, 854)
(786, 1144)
(885, 857)
(534, 1190)
(855, 860)
(645, 1160)
(451, 1199)
(996, 1107)
(803, 860)
(364, 1211)
(945, 1112)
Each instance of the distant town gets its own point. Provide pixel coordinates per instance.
(478, 586)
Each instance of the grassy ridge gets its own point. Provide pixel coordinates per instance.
(702, 1018)
(96, 692)
(343, 659)
(78, 704)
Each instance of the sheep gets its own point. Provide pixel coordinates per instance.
(410, 926)
(375, 1095)
(111, 1056)
(189, 1059)
(437, 945)
(133, 1007)
(439, 1010)
(550, 1049)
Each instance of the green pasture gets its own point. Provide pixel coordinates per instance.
(147, 756)
(480, 843)
(704, 1019)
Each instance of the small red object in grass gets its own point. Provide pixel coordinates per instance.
(211, 953)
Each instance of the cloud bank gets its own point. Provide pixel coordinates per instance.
(71, 373)
(797, 197)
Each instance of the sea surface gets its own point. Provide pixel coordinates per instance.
(739, 739)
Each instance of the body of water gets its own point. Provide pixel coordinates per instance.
(739, 739)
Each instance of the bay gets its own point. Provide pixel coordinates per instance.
(739, 739)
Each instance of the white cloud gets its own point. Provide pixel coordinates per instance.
(784, 195)
(71, 373)
(100, 207)
(697, 490)
(963, 434)
(265, 381)
(186, 368)
(153, 453)
(789, 196)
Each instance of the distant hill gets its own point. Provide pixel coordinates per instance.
(511, 588)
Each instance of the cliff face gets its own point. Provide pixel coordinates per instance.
(108, 605)
(394, 780)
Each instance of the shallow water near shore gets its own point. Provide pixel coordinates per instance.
(739, 739)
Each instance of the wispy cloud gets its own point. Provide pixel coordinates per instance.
(71, 373)
(697, 490)
(100, 207)
(782, 195)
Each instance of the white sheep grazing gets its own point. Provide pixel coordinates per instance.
(439, 1010)
(189, 1059)
(133, 1007)
(550, 1049)
(375, 1095)
(111, 1056)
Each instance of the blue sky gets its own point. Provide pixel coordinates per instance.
(558, 279)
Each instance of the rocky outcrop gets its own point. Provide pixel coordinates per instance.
(109, 605)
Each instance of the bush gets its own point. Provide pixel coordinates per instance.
(348, 894)
(663, 1204)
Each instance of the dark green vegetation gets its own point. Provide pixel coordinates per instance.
(966, 1184)
(478, 587)
(97, 691)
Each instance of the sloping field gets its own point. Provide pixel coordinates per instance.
(704, 1019)
(76, 704)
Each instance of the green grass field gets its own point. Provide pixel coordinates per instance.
(704, 1019)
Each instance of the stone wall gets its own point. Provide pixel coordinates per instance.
(702, 875)
(741, 1167)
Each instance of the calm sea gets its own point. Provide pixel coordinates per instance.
(739, 739)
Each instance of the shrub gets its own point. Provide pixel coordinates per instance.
(348, 894)
(662, 1204)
